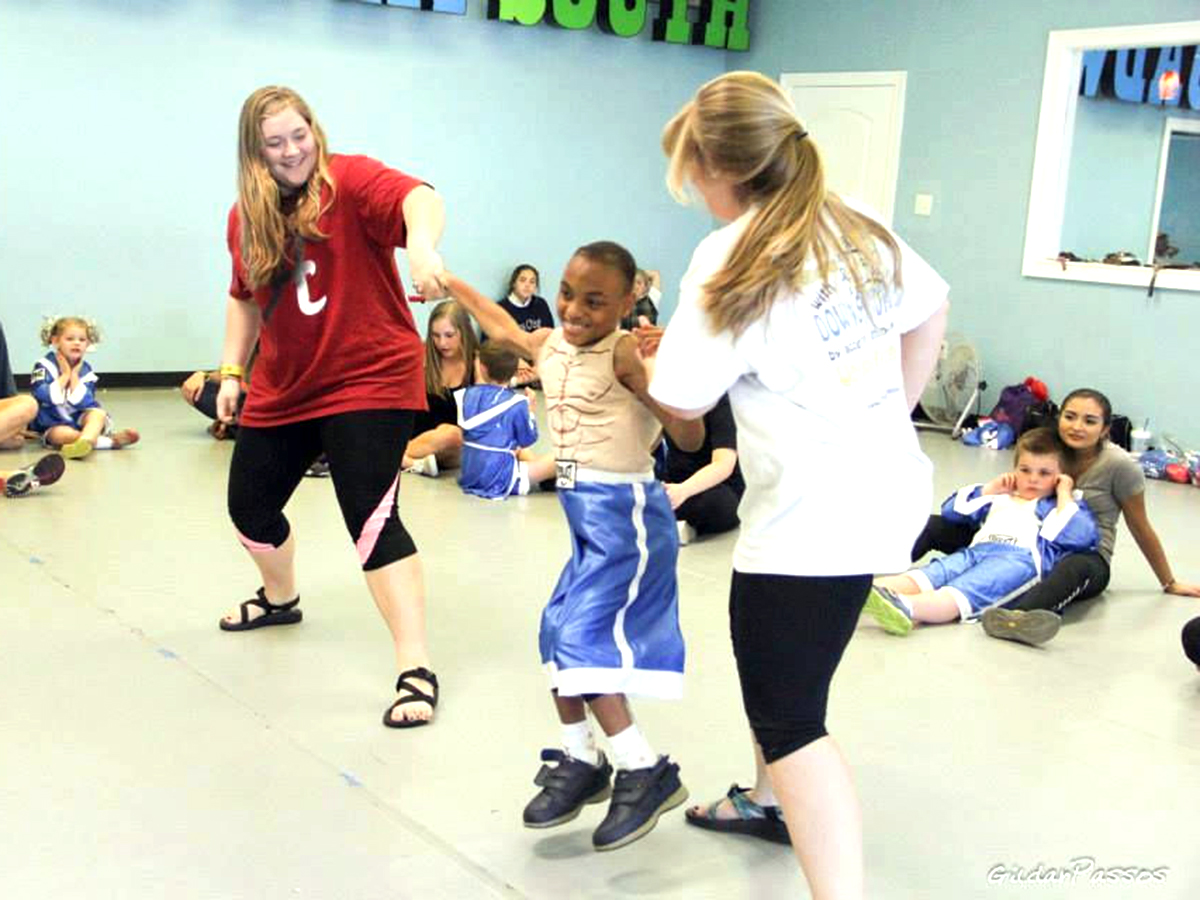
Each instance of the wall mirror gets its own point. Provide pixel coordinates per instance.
(1111, 175)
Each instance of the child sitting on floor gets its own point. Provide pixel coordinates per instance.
(497, 426)
(612, 624)
(1030, 521)
(64, 385)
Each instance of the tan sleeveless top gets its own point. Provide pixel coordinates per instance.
(593, 419)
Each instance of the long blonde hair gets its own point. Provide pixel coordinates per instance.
(454, 311)
(266, 228)
(742, 126)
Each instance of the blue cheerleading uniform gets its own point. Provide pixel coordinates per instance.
(1017, 543)
(56, 407)
(495, 422)
(612, 623)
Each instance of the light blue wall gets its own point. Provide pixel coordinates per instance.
(1180, 217)
(117, 155)
(1115, 157)
(974, 88)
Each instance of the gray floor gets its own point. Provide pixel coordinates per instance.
(144, 753)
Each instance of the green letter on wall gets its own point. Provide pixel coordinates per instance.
(672, 24)
(725, 24)
(624, 18)
(525, 12)
(573, 13)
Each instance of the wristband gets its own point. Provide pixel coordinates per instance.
(230, 370)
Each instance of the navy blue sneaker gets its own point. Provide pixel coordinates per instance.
(566, 788)
(639, 797)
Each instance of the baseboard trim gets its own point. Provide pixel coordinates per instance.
(128, 379)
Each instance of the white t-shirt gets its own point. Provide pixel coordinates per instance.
(836, 483)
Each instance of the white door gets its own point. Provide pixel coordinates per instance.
(856, 119)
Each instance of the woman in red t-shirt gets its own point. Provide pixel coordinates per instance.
(339, 368)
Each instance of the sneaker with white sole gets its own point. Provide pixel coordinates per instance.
(687, 533)
(424, 465)
(45, 471)
(1033, 626)
(885, 607)
(639, 797)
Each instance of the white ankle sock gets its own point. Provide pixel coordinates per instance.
(579, 742)
(631, 750)
(103, 443)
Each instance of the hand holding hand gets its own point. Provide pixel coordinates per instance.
(428, 272)
(648, 337)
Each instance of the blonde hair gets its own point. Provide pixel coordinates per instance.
(53, 326)
(266, 228)
(742, 126)
(454, 311)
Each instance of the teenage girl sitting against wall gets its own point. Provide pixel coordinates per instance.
(450, 348)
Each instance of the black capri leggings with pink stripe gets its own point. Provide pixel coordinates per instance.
(364, 449)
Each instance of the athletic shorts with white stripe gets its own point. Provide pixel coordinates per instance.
(612, 623)
(980, 576)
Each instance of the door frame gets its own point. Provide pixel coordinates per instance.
(898, 81)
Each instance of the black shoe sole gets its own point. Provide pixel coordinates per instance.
(599, 797)
(676, 799)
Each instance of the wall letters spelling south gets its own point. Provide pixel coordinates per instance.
(722, 24)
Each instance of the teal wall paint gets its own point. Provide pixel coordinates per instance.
(118, 149)
(1115, 156)
(974, 90)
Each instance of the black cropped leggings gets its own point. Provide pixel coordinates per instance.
(789, 634)
(1078, 576)
(364, 449)
(711, 512)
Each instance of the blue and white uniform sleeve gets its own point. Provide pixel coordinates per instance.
(967, 504)
(1070, 528)
(42, 384)
(526, 427)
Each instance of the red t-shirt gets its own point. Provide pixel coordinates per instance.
(344, 339)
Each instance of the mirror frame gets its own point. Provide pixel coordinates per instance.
(1052, 156)
(1171, 127)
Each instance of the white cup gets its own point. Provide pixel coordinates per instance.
(1139, 440)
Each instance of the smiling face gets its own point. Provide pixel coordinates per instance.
(446, 339)
(592, 299)
(289, 149)
(1081, 424)
(72, 342)
(525, 285)
(1037, 475)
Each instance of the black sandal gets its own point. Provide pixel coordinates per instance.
(273, 613)
(765, 822)
(413, 695)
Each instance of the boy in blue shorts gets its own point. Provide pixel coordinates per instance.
(497, 426)
(611, 627)
(1030, 521)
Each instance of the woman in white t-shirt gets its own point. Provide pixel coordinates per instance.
(823, 327)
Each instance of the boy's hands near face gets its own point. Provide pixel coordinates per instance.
(1002, 484)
